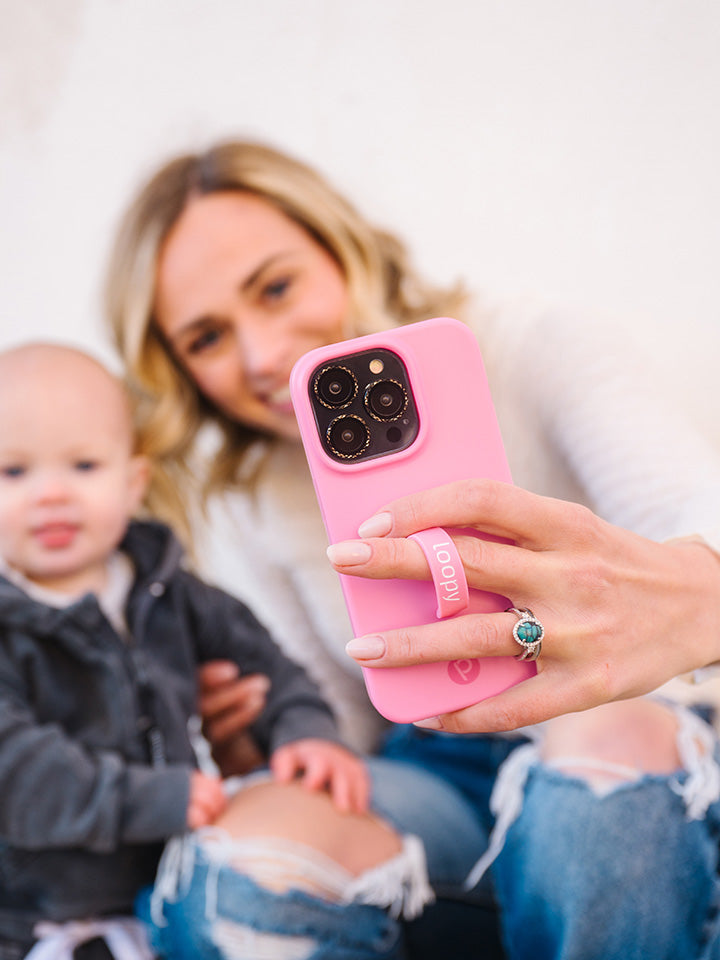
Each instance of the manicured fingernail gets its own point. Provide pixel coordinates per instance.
(366, 648)
(259, 684)
(348, 553)
(431, 723)
(377, 526)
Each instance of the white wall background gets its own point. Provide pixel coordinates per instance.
(564, 148)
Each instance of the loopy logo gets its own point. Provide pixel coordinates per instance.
(446, 583)
(463, 671)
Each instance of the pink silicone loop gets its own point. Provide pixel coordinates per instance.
(447, 571)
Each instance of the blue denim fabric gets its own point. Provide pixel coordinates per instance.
(413, 801)
(624, 876)
(438, 787)
(190, 929)
(417, 801)
(468, 763)
(580, 877)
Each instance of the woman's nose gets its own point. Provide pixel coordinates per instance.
(261, 351)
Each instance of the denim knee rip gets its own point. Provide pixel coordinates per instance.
(698, 784)
(288, 901)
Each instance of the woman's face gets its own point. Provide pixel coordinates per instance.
(242, 292)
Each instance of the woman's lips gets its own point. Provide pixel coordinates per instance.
(280, 401)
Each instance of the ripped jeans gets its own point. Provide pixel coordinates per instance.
(631, 873)
(213, 910)
(203, 907)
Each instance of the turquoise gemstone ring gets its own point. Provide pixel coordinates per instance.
(528, 632)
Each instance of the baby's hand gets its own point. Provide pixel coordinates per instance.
(207, 800)
(322, 765)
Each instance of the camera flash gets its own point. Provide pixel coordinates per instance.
(376, 366)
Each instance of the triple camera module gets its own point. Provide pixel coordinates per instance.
(363, 405)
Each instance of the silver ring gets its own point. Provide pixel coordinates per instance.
(528, 632)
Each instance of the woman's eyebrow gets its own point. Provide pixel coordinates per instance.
(252, 279)
(188, 327)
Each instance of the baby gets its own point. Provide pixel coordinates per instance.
(101, 632)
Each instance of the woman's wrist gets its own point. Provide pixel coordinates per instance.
(702, 567)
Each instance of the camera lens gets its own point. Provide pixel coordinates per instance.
(335, 386)
(348, 436)
(385, 399)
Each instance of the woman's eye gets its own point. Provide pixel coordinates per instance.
(12, 470)
(277, 289)
(207, 338)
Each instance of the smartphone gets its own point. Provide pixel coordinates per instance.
(382, 416)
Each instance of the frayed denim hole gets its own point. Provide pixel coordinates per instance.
(558, 776)
(296, 913)
(506, 804)
(697, 782)
(237, 941)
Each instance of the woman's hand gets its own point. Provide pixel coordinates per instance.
(322, 765)
(622, 614)
(228, 705)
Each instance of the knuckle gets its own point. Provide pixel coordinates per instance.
(394, 550)
(504, 718)
(606, 685)
(404, 648)
(496, 718)
(472, 634)
(451, 723)
(502, 715)
(591, 576)
(409, 515)
(479, 492)
(585, 524)
(596, 686)
(473, 553)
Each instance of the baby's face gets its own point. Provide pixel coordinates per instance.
(68, 480)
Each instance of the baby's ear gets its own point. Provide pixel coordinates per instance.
(138, 480)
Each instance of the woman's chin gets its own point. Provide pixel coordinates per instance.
(283, 426)
(290, 432)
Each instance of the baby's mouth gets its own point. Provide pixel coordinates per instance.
(54, 536)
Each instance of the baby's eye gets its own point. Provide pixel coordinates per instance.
(13, 470)
(85, 466)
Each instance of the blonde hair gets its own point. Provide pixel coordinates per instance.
(383, 291)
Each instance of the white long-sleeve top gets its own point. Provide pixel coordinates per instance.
(584, 417)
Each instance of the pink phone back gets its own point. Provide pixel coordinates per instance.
(458, 438)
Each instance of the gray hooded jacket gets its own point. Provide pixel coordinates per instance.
(95, 756)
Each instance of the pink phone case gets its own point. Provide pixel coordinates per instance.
(457, 438)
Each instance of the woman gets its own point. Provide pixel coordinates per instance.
(229, 266)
